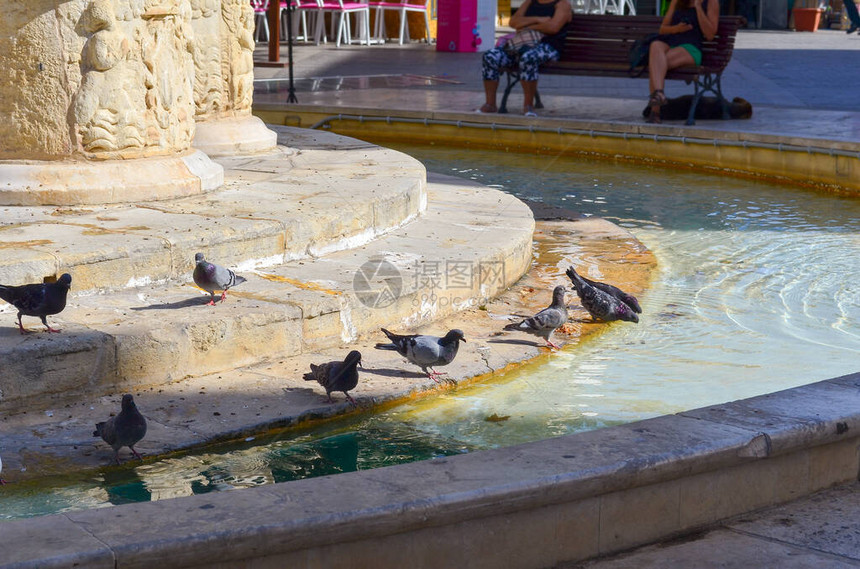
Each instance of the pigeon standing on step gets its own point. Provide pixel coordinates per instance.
(426, 352)
(40, 299)
(624, 297)
(600, 304)
(211, 277)
(547, 321)
(123, 430)
(337, 376)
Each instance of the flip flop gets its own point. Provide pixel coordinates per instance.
(530, 112)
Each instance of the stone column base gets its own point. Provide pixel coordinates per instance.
(90, 182)
(233, 136)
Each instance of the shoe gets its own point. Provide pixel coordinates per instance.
(530, 112)
(654, 115)
(657, 98)
(852, 29)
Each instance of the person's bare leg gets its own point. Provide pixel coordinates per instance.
(657, 65)
(529, 90)
(490, 89)
(662, 58)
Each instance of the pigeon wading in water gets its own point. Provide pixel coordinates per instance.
(337, 376)
(211, 277)
(123, 430)
(547, 321)
(426, 352)
(40, 299)
(600, 304)
(624, 297)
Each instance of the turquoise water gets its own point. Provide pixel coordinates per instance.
(756, 291)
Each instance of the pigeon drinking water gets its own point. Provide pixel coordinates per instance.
(600, 304)
(211, 277)
(426, 352)
(337, 376)
(547, 321)
(123, 430)
(624, 297)
(40, 299)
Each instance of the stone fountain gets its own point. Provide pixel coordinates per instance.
(100, 99)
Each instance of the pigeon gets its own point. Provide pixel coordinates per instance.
(2, 482)
(123, 430)
(426, 352)
(547, 321)
(624, 297)
(600, 304)
(337, 376)
(40, 299)
(211, 277)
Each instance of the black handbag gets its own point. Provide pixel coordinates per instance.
(638, 54)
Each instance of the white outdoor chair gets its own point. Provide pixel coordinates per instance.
(403, 7)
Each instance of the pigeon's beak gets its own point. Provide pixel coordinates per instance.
(463, 340)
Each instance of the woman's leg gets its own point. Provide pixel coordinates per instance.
(530, 62)
(492, 61)
(662, 58)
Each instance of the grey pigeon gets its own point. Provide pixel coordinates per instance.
(337, 376)
(624, 297)
(601, 305)
(123, 430)
(547, 321)
(211, 277)
(40, 299)
(426, 352)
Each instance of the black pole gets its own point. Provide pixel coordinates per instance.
(291, 97)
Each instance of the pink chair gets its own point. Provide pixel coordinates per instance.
(342, 10)
(261, 21)
(300, 12)
(403, 7)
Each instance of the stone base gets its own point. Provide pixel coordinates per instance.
(233, 136)
(90, 182)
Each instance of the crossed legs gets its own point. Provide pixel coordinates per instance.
(662, 58)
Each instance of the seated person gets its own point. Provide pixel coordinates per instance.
(709, 108)
(549, 17)
(686, 24)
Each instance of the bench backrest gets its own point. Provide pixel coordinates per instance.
(606, 39)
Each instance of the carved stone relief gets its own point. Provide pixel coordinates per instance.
(209, 86)
(238, 39)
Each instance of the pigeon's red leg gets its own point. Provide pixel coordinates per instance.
(21, 326)
(553, 345)
(2, 482)
(223, 295)
(211, 299)
(55, 330)
(135, 453)
(434, 375)
(351, 400)
(116, 456)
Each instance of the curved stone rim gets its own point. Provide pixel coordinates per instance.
(85, 182)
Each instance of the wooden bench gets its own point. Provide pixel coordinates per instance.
(599, 45)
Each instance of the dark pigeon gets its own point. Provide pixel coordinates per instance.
(337, 376)
(41, 299)
(547, 321)
(426, 352)
(624, 297)
(123, 430)
(211, 277)
(601, 305)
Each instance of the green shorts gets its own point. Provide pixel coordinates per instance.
(694, 51)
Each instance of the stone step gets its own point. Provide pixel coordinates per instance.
(470, 244)
(315, 194)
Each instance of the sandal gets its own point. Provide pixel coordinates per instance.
(487, 108)
(529, 112)
(654, 115)
(657, 98)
